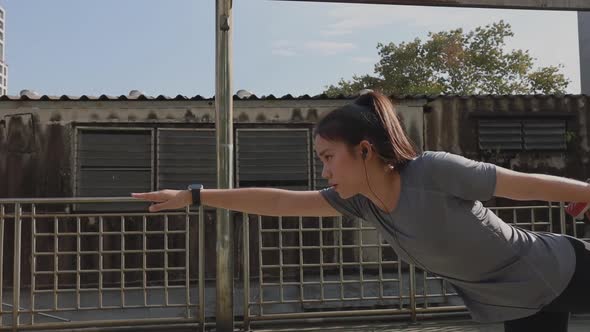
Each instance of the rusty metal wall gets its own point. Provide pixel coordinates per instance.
(37, 136)
(450, 124)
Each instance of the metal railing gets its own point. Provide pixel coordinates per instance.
(71, 266)
(63, 265)
(337, 267)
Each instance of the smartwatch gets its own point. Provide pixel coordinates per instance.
(195, 190)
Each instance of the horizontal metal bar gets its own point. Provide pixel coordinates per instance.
(571, 5)
(354, 246)
(326, 264)
(110, 307)
(320, 227)
(112, 233)
(330, 300)
(324, 282)
(325, 314)
(126, 269)
(102, 323)
(99, 215)
(313, 230)
(107, 289)
(67, 200)
(127, 251)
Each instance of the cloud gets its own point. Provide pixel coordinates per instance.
(336, 32)
(551, 44)
(312, 47)
(346, 19)
(356, 18)
(283, 48)
(283, 52)
(365, 59)
(328, 47)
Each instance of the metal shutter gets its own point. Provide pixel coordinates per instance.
(546, 134)
(185, 157)
(273, 158)
(500, 134)
(113, 163)
(112, 182)
(115, 148)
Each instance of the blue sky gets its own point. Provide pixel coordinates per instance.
(167, 47)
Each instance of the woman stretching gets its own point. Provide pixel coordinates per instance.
(428, 208)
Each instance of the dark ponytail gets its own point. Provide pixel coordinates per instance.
(371, 117)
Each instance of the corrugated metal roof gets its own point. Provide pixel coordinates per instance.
(267, 97)
(162, 97)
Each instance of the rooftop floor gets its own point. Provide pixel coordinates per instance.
(578, 323)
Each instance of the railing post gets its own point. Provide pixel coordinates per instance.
(413, 292)
(16, 267)
(201, 272)
(562, 218)
(225, 167)
(246, 248)
(2, 217)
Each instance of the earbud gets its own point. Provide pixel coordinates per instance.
(364, 153)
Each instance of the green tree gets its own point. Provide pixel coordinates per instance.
(454, 62)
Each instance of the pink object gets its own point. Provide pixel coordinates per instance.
(577, 210)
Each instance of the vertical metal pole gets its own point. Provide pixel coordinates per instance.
(413, 312)
(16, 267)
(562, 221)
(246, 244)
(201, 268)
(225, 167)
(584, 44)
(2, 217)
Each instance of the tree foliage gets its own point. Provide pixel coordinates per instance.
(455, 62)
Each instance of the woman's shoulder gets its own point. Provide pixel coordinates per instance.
(442, 162)
(417, 170)
(433, 154)
(425, 166)
(428, 157)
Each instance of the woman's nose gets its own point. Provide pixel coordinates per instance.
(325, 172)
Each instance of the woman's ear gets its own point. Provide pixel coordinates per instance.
(365, 146)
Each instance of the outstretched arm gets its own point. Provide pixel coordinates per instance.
(525, 187)
(263, 201)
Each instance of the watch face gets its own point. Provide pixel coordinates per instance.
(195, 187)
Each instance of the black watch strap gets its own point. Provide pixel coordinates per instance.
(195, 190)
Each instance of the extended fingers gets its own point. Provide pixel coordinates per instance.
(154, 196)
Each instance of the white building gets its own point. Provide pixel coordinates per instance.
(3, 66)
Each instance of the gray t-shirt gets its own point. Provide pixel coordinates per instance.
(501, 272)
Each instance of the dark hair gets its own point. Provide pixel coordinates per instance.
(370, 117)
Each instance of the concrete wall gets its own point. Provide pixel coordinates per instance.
(450, 124)
(36, 136)
(584, 44)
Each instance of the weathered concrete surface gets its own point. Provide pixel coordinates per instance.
(577, 324)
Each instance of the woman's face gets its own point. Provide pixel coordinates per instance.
(342, 168)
